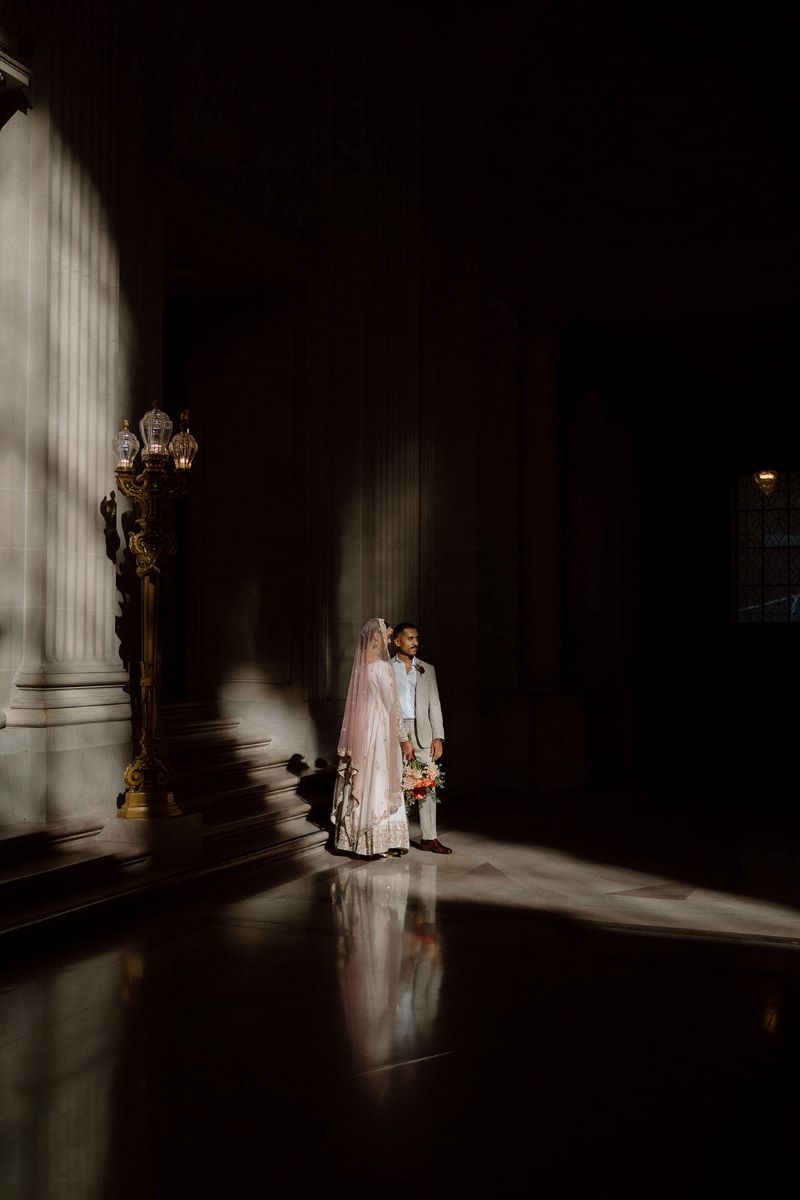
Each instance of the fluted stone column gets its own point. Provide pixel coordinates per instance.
(557, 755)
(395, 502)
(366, 393)
(69, 683)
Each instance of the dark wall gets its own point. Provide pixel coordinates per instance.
(659, 423)
(619, 186)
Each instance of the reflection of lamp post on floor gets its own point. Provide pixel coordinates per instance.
(153, 492)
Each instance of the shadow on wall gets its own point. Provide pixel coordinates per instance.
(12, 101)
(316, 788)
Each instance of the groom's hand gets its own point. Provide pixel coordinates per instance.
(407, 748)
(437, 749)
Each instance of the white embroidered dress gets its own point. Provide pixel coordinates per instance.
(368, 807)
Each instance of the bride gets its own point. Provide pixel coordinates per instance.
(369, 811)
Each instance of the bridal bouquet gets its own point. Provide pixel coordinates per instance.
(421, 779)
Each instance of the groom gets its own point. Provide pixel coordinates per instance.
(421, 714)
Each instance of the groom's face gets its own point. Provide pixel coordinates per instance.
(407, 642)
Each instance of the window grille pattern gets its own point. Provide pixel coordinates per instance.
(768, 551)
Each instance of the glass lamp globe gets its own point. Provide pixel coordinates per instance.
(126, 447)
(183, 446)
(766, 481)
(155, 428)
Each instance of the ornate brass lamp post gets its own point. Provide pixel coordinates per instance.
(153, 491)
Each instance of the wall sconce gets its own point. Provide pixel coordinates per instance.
(153, 491)
(766, 481)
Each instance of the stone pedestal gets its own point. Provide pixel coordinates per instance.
(172, 842)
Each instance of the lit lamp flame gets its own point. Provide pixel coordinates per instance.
(155, 428)
(766, 481)
(183, 446)
(126, 447)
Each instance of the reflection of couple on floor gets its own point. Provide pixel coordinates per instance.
(392, 710)
(389, 962)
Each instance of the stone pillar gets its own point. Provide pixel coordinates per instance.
(557, 753)
(70, 676)
(505, 732)
(453, 496)
(393, 384)
(15, 169)
(366, 425)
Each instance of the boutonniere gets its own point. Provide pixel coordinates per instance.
(420, 669)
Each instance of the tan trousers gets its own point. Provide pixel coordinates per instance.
(427, 808)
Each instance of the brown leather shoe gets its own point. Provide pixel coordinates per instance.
(434, 845)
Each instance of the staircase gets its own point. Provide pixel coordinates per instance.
(250, 802)
(251, 807)
(60, 868)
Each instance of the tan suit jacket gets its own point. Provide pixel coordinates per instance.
(428, 706)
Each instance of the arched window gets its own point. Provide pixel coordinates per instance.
(767, 570)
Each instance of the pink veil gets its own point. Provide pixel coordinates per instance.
(371, 706)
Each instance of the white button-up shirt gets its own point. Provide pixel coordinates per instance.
(406, 687)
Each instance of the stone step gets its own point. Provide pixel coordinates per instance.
(192, 720)
(275, 774)
(212, 739)
(201, 730)
(199, 787)
(262, 849)
(188, 711)
(183, 763)
(48, 867)
(282, 829)
(209, 761)
(77, 879)
(224, 799)
(251, 808)
(28, 839)
(203, 789)
(245, 807)
(43, 879)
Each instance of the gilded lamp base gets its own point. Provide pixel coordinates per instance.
(143, 804)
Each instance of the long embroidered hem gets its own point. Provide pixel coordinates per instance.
(389, 835)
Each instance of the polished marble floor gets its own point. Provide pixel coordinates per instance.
(551, 1008)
